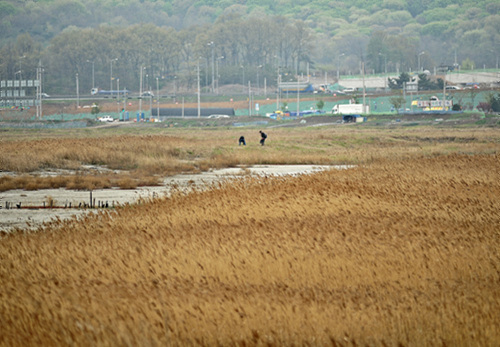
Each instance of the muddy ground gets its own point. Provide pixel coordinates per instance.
(30, 209)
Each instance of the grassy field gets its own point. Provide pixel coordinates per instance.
(403, 249)
(127, 157)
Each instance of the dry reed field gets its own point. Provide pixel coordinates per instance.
(136, 157)
(396, 251)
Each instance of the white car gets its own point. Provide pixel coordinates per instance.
(105, 119)
(452, 88)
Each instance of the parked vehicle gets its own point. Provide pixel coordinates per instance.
(350, 109)
(105, 119)
(98, 91)
(452, 88)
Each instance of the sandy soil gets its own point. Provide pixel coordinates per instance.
(26, 218)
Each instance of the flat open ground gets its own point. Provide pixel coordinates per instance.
(402, 248)
(30, 209)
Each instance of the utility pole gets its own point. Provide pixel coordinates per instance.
(338, 66)
(77, 92)
(140, 94)
(111, 74)
(278, 89)
(93, 79)
(364, 88)
(39, 70)
(157, 99)
(198, 68)
(298, 96)
(213, 68)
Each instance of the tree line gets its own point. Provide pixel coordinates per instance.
(171, 38)
(233, 49)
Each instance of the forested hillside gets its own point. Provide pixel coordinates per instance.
(241, 38)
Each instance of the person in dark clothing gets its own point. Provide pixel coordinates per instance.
(263, 137)
(241, 141)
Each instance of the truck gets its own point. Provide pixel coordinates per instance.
(102, 92)
(350, 109)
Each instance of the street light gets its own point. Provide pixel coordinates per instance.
(385, 62)
(140, 92)
(258, 84)
(385, 70)
(111, 73)
(211, 43)
(198, 73)
(421, 53)
(157, 99)
(77, 92)
(20, 77)
(217, 72)
(93, 80)
(338, 66)
(17, 92)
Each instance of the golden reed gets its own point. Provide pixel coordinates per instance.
(395, 252)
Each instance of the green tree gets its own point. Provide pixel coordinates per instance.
(95, 109)
(397, 102)
(424, 83)
(493, 101)
(468, 64)
(397, 83)
(320, 104)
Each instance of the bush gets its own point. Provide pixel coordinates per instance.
(484, 106)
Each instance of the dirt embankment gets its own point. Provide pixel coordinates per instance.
(106, 105)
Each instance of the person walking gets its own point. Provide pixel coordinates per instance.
(263, 137)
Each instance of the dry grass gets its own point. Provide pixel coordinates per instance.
(145, 156)
(397, 252)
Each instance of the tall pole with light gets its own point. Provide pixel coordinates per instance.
(418, 59)
(385, 70)
(140, 92)
(39, 91)
(278, 88)
(211, 43)
(258, 84)
(198, 74)
(77, 92)
(217, 73)
(21, 78)
(93, 78)
(157, 98)
(111, 73)
(338, 66)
